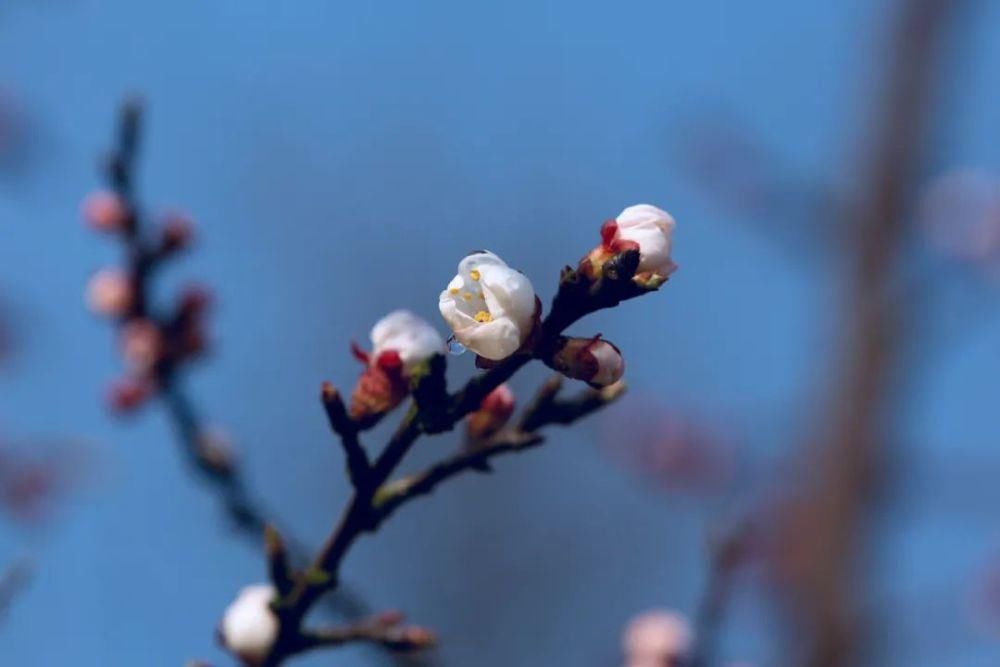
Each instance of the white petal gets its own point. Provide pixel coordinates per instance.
(249, 627)
(610, 365)
(410, 335)
(509, 293)
(494, 340)
(652, 228)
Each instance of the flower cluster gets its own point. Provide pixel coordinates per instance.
(492, 310)
(152, 345)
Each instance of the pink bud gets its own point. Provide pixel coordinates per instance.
(104, 212)
(494, 411)
(195, 300)
(142, 345)
(380, 388)
(128, 394)
(657, 637)
(593, 360)
(110, 293)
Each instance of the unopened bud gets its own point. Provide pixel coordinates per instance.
(178, 230)
(110, 292)
(249, 628)
(593, 360)
(141, 345)
(494, 411)
(104, 212)
(643, 228)
(128, 394)
(380, 388)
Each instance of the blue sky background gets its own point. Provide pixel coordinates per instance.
(340, 159)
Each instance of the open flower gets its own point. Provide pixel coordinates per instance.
(489, 306)
(400, 341)
(642, 227)
(657, 637)
(592, 360)
(249, 627)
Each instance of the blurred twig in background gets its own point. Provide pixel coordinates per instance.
(158, 345)
(13, 581)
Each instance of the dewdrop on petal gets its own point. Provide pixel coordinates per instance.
(491, 308)
(249, 628)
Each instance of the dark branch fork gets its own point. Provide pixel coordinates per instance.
(377, 496)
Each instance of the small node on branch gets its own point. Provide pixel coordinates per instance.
(277, 561)
(430, 392)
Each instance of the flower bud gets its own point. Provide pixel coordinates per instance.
(141, 345)
(657, 637)
(178, 230)
(128, 394)
(400, 342)
(249, 628)
(491, 308)
(104, 212)
(215, 450)
(110, 292)
(593, 360)
(410, 336)
(494, 411)
(644, 228)
(381, 386)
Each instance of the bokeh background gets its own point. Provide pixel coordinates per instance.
(340, 158)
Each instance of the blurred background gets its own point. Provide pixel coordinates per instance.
(340, 158)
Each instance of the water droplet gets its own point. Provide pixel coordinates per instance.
(454, 347)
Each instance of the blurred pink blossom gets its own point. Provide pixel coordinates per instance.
(960, 214)
(673, 449)
(657, 638)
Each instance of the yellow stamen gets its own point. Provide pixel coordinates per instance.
(474, 274)
(467, 296)
(483, 316)
(453, 291)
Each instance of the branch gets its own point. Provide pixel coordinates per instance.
(509, 440)
(144, 254)
(434, 411)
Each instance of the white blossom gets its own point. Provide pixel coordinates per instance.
(410, 336)
(652, 230)
(249, 628)
(489, 306)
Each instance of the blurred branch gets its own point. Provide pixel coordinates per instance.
(145, 252)
(832, 515)
(12, 582)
